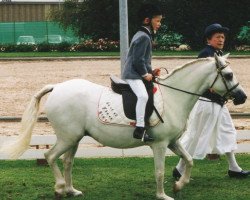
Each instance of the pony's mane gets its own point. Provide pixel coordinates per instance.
(185, 65)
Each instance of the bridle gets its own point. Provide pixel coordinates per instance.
(219, 73)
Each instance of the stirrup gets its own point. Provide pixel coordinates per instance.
(146, 137)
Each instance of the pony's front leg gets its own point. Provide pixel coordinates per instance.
(185, 178)
(159, 150)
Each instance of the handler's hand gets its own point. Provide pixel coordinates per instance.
(149, 77)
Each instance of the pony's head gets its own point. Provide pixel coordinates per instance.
(225, 82)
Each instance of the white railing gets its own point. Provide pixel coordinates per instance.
(89, 148)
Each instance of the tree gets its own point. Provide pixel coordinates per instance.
(190, 18)
(100, 18)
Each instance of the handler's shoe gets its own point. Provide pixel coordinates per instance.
(176, 174)
(241, 174)
(140, 133)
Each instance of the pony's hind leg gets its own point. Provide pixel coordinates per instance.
(68, 160)
(185, 178)
(51, 156)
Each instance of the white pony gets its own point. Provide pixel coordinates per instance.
(72, 110)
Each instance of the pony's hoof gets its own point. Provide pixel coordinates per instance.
(177, 187)
(163, 197)
(58, 196)
(74, 193)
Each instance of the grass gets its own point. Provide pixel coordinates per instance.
(84, 54)
(122, 179)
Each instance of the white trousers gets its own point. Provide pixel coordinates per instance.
(140, 91)
(210, 129)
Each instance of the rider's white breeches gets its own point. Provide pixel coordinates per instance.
(140, 91)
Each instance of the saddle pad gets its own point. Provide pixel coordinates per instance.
(110, 108)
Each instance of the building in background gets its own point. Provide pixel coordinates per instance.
(24, 11)
(27, 21)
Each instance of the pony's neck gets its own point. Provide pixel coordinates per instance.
(193, 77)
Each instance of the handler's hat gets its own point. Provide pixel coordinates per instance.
(215, 28)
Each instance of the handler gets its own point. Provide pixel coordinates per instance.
(210, 128)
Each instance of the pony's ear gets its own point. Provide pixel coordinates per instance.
(226, 56)
(216, 58)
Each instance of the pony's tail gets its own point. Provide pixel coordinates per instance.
(16, 148)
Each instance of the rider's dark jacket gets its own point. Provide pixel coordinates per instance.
(209, 51)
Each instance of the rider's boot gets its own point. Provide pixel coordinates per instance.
(140, 133)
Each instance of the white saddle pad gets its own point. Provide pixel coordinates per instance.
(110, 108)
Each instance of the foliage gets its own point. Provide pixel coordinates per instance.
(100, 19)
(17, 48)
(123, 178)
(85, 46)
(25, 48)
(43, 47)
(8, 48)
(191, 17)
(62, 47)
(99, 45)
(104, 53)
(244, 35)
(85, 37)
(166, 38)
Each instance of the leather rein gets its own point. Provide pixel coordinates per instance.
(219, 73)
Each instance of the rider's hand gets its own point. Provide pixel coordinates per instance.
(148, 77)
(157, 72)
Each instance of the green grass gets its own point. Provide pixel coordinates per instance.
(84, 54)
(122, 179)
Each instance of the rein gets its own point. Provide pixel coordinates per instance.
(184, 91)
(174, 88)
(219, 69)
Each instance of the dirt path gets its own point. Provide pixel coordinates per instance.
(20, 80)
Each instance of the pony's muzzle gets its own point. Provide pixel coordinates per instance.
(239, 97)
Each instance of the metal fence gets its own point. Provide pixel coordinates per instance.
(35, 33)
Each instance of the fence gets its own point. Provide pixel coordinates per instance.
(35, 33)
(88, 147)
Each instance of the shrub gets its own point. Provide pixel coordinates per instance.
(8, 48)
(99, 45)
(25, 48)
(44, 47)
(85, 46)
(244, 35)
(168, 39)
(62, 47)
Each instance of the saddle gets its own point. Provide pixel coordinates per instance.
(129, 99)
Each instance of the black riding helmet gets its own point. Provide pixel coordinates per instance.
(148, 11)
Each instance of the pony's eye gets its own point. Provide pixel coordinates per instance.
(229, 76)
